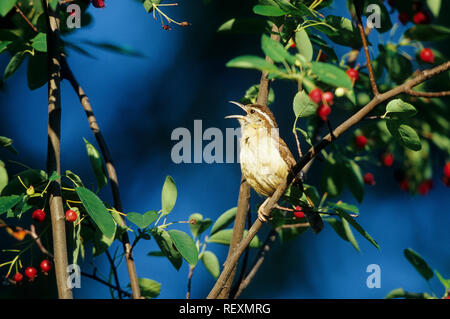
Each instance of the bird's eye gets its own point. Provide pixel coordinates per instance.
(252, 111)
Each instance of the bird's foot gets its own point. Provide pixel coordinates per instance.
(263, 216)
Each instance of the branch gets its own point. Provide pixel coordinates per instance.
(54, 154)
(84, 100)
(428, 94)
(350, 122)
(366, 51)
(271, 237)
(244, 191)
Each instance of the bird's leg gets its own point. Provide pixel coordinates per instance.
(262, 216)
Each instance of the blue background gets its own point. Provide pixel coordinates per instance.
(139, 101)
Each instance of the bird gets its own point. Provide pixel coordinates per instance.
(265, 158)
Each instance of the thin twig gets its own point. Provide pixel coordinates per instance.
(114, 270)
(104, 282)
(366, 51)
(84, 100)
(271, 237)
(346, 125)
(191, 272)
(24, 17)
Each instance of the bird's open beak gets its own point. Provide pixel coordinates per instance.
(237, 116)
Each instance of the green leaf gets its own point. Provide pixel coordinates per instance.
(299, 10)
(331, 74)
(418, 263)
(142, 220)
(346, 34)
(355, 225)
(444, 282)
(435, 7)
(3, 176)
(101, 243)
(252, 62)
(404, 134)
(8, 202)
(76, 180)
(124, 50)
(14, 64)
(251, 95)
(398, 67)
(244, 26)
(185, 245)
(274, 49)
(224, 220)
(332, 181)
(268, 11)
(428, 32)
(166, 245)
(224, 237)
(400, 293)
(303, 106)
(7, 143)
(342, 228)
(96, 164)
(39, 42)
(347, 207)
(37, 74)
(354, 180)
(156, 254)
(168, 195)
(149, 288)
(200, 224)
(400, 109)
(6, 6)
(211, 263)
(97, 211)
(303, 44)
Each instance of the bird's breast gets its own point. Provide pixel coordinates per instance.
(261, 161)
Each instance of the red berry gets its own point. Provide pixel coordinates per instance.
(328, 97)
(293, 45)
(447, 169)
(98, 3)
(298, 212)
(323, 57)
(427, 55)
(361, 141)
(18, 277)
(38, 215)
(71, 216)
(421, 17)
(316, 95)
(403, 17)
(31, 273)
(387, 159)
(369, 179)
(46, 265)
(323, 111)
(352, 74)
(425, 187)
(404, 185)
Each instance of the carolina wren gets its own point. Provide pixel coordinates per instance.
(265, 158)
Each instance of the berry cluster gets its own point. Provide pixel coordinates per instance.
(298, 212)
(31, 272)
(324, 99)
